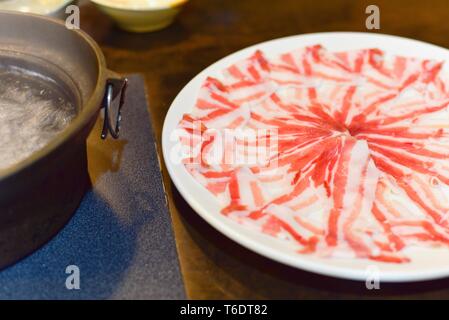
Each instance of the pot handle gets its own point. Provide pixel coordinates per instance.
(114, 87)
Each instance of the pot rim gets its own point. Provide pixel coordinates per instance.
(88, 110)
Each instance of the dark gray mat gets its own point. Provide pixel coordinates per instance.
(121, 237)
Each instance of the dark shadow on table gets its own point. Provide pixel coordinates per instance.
(94, 240)
(273, 280)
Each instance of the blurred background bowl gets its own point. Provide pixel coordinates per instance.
(53, 8)
(141, 15)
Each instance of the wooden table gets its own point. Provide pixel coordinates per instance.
(214, 267)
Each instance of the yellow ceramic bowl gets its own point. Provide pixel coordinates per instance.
(141, 15)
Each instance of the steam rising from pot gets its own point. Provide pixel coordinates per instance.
(33, 109)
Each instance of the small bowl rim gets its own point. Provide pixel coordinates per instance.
(11, 5)
(175, 4)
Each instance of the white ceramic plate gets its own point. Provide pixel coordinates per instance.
(426, 263)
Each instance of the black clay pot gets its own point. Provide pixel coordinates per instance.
(39, 194)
